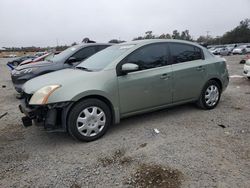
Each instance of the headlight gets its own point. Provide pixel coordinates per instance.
(41, 96)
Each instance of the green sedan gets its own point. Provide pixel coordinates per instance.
(124, 80)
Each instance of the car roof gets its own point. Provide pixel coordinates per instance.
(91, 44)
(151, 41)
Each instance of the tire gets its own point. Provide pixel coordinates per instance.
(248, 78)
(243, 61)
(89, 120)
(15, 64)
(210, 86)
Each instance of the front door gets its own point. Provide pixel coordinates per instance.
(151, 85)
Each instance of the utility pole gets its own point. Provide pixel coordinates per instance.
(207, 33)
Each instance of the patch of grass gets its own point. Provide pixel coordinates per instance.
(237, 108)
(155, 176)
(117, 157)
(75, 185)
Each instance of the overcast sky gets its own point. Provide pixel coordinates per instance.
(44, 22)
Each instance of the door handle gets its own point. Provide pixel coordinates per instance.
(200, 68)
(165, 76)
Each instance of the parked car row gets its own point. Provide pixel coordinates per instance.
(226, 50)
(101, 84)
(15, 62)
(66, 59)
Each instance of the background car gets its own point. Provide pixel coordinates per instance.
(225, 51)
(66, 59)
(244, 59)
(124, 80)
(240, 50)
(15, 62)
(246, 71)
(247, 49)
(216, 50)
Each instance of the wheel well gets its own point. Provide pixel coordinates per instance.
(101, 98)
(218, 81)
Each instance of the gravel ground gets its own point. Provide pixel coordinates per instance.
(194, 148)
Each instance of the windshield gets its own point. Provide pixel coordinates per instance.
(49, 57)
(64, 54)
(101, 59)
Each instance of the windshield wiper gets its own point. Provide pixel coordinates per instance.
(83, 68)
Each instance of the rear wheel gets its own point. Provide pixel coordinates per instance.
(88, 120)
(210, 95)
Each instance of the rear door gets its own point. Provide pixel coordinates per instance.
(189, 71)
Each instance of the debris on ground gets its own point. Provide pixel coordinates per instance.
(236, 76)
(117, 157)
(156, 131)
(221, 125)
(1, 116)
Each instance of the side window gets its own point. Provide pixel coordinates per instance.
(84, 53)
(148, 57)
(99, 48)
(183, 52)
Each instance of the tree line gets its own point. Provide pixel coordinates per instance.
(240, 34)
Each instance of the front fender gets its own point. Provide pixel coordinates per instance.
(91, 93)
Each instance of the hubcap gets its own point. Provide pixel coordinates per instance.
(212, 95)
(91, 121)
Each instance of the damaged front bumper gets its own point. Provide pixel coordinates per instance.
(51, 116)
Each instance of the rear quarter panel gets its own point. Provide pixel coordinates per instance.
(217, 69)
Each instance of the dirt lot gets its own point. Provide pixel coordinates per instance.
(18, 54)
(195, 148)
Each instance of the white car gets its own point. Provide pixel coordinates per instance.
(215, 51)
(242, 49)
(247, 49)
(246, 71)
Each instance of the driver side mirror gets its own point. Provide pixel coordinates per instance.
(71, 60)
(129, 67)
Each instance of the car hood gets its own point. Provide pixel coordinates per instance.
(34, 65)
(61, 77)
(26, 61)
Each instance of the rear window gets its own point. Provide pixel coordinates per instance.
(184, 52)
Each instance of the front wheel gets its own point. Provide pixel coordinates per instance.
(210, 95)
(89, 119)
(15, 64)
